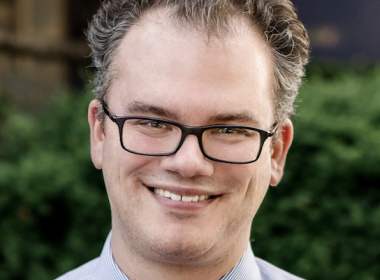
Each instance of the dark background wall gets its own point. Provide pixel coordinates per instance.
(342, 29)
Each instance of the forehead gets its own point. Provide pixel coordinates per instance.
(178, 67)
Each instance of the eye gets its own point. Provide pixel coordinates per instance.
(153, 125)
(233, 131)
(156, 124)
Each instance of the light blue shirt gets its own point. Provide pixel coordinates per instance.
(248, 268)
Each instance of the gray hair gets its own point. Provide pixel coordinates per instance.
(276, 21)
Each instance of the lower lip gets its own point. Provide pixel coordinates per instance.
(181, 205)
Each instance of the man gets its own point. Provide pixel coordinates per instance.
(190, 126)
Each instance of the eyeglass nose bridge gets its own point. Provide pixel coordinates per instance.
(197, 131)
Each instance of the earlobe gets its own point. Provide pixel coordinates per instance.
(96, 135)
(280, 150)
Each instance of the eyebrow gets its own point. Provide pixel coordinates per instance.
(139, 107)
(247, 117)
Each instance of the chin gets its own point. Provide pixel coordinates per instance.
(181, 250)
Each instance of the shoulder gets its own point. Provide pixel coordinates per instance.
(84, 272)
(271, 272)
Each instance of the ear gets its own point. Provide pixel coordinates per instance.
(96, 134)
(280, 150)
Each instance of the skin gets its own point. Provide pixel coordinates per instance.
(196, 83)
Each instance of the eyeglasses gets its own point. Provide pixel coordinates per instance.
(157, 137)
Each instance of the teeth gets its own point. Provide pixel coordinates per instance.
(177, 197)
(195, 198)
(167, 194)
(187, 198)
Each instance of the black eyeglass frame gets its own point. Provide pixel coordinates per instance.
(188, 130)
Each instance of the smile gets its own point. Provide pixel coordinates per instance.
(183, 198)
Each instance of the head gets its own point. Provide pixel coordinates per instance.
(198, 63)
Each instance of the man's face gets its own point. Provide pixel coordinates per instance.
(224, 81)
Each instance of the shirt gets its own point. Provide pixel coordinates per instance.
(248, 268)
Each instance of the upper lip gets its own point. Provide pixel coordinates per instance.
(184, 191)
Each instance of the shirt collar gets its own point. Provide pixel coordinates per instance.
(245, 269)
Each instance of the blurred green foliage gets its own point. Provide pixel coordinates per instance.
(321, 222)
(54, 209)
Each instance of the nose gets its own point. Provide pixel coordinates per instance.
(189, 160)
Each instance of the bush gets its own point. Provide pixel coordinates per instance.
(54, 208)
(321, 222)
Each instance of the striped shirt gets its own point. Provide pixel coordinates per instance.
(248, 268)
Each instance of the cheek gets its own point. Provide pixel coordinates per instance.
(125, 191)
(119, 167)
(247, 187)
(249, 183)
(259, 184)
(248, 178)
(118, 163)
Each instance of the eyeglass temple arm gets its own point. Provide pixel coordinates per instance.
(273, 131)
(106, 110)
